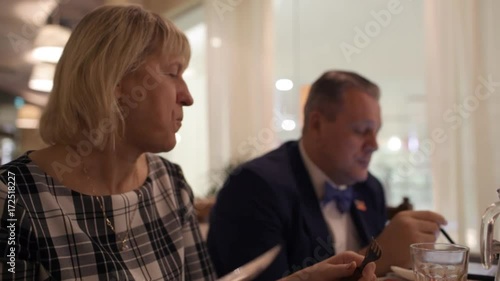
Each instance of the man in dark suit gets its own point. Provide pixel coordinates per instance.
(315, 196)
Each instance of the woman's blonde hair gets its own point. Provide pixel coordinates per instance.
(107, 44)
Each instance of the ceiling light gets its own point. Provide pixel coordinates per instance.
(288, 125)
(50, 42)
(284, 84)
(50, 54)
(413, 144)
(42, 77)
(394, 144)
(28, 116)
(27, 123)
(41, 85)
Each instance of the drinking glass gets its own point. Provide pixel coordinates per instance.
(439, 261)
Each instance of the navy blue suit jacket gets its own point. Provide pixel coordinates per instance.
(271, 200)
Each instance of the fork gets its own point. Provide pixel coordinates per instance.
(374, 253)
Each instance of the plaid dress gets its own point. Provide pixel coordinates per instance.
(54, 233)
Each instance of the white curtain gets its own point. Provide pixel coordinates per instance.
(240, 67)
(463, 85)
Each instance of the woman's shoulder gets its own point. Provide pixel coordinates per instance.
(168, 173)
(159, 166)
(18, 171)
(23, 178)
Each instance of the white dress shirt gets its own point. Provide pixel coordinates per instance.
(341, 225)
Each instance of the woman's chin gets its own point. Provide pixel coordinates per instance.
(161, 147)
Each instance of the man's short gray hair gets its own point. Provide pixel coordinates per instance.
(327, 92)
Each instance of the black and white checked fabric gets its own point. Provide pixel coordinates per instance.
(61, 234)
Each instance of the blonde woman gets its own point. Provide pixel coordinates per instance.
(97, 203)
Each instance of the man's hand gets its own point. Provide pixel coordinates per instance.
(335, 268)
(406, 228)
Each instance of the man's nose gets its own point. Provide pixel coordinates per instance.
(371, 142)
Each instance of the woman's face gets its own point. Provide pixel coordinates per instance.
(152, 98)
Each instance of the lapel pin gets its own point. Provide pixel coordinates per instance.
(360, 205)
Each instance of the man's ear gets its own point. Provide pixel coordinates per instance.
(315, 122)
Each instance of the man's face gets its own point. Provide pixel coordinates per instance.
(346, 144)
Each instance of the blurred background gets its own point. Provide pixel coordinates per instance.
(437, 64)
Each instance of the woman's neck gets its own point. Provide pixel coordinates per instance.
(94, 171)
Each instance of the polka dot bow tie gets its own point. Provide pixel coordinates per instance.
(342, 198)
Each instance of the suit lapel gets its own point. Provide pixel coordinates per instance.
(359, 215)
(313, 216)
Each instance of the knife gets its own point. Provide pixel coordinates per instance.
(253, 268)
